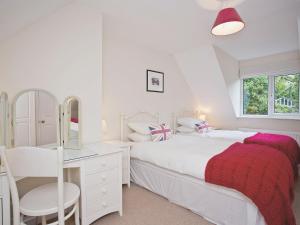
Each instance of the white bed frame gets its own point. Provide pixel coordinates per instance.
(184, 113)
(220, 205)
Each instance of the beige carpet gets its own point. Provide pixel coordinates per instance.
(142, 207)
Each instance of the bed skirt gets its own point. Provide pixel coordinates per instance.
(219, 205)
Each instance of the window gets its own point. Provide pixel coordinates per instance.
(286, 94)
(271, 95)
(255, 91)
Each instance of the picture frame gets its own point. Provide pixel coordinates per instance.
(155, 81)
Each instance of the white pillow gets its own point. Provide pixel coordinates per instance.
(183, 129)
(188, 122)
(140, 127)
(136, 137)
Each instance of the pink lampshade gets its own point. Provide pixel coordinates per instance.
(228, 22)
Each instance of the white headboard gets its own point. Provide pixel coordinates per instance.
(184, 113)
(137, 117)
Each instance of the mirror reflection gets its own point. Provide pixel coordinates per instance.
(35, 120)
(3, 119)
(72, 123)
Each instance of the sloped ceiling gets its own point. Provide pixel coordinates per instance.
(201, 69)
(174, 25)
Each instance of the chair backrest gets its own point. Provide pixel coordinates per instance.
(32, 162)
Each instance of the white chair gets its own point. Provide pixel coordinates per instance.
(46, 199)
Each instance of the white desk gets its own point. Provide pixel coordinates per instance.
(4, 200)
(97, 170)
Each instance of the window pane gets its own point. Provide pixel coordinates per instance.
(255, 94)
(287, 94)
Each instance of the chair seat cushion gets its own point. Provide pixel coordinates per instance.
(43, 200)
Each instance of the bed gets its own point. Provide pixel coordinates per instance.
(239, 134)
(179, 177)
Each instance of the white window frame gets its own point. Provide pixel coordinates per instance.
(271, 101)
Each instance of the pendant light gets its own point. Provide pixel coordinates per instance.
(228, 22)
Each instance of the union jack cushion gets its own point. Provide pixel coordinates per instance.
(160, 132)
(202, 127)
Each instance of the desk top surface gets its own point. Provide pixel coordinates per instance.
(88, 151)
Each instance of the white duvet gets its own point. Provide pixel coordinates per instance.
(183, 154)
(236, 135)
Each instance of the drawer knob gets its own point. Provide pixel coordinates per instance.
(104, 191)
(103, 164)
(103, 177)
(104, 204)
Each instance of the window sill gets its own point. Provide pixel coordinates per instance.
(277, 117)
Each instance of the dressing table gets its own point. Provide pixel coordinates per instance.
(37, 119)
(97, 170)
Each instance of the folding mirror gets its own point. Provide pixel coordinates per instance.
(72, 123)
(4, 113)
(35, 119)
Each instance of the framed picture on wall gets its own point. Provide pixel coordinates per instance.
(155, 81)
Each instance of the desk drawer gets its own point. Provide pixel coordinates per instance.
(104, 177)
(101, 164)
(103, 197)
(125, 162)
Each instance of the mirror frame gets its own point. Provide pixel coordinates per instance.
(13, 116)
(65, 141)
(6, 132)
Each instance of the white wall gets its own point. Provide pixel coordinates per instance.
(124, 83)
(61, 53)
(299, 32)
(230, 70)
(282, 62)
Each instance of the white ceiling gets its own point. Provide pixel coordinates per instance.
(16, 15)
(174, 25)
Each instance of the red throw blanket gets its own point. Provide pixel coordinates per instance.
(261, 173)
(283, 143)
(74, 120)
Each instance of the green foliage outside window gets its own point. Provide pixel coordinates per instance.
(256, 95)
(287, 94)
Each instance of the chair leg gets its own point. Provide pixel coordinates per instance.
(44, 222)
(77, 214)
